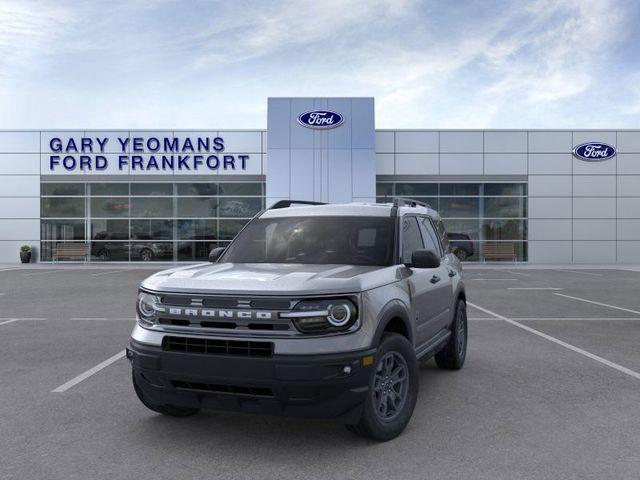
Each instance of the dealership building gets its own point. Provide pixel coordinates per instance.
(537, 196)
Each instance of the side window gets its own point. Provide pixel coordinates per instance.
(430, 238)
(411, 238)
(443, 235)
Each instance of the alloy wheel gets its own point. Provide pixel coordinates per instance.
(390, 386)
(461, 334)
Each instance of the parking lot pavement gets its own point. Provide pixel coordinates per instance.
(63, 293)
(524, 406)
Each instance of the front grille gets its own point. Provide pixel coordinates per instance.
(220, 302)
(176, 300)
(210, 346)
(212, 302)
(273, 325)
(227, 325)
(225, 302)
(271, 303)
(216, 388)
(227, 313)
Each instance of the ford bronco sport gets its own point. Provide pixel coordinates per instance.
(313, 310)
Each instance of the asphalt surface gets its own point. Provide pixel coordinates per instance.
(559, 401)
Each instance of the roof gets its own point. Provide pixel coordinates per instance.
(356, 209)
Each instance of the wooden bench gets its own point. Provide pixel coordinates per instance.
(70, 250)
(499, 251)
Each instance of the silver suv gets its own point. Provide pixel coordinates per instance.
(313, 310)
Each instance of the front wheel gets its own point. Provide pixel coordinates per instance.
(452, 356)
(393, 390)
(170, 410)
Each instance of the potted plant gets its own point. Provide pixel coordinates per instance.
(25, 253)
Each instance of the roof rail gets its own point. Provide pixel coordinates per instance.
(288, 203)
(408, 202)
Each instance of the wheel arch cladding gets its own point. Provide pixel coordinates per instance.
(461, 295)
(394, 318)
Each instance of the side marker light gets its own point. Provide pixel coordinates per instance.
(368, 360)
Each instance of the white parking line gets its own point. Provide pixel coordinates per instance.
(533, 288)
(22, 318)
(83, 376)
(9, 321)
(519, 273)
(580, 272)
(101, 319)
(564, 319)
(495, 279)
(577, 319)
(84, 319)
(40, 273)
(10, 269)
(566, 345)
(598, 303)
(106, 273)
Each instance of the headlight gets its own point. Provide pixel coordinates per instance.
(323, 316)
(340, 314)
(147, 307)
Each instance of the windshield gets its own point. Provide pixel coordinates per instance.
(319, 240)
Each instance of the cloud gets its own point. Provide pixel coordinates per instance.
(267, 29)
(28, 30)
(554, 54)
(428, 63)
(631, 94)
(548, 52)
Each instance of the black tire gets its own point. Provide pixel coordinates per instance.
(104, 255)
(374, 423)
(146, 255)
(454, 353)
(170, 410)
(461, 254)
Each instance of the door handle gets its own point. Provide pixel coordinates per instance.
(435, 279)
(452, 273)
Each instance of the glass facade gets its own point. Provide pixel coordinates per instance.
(173, 221)
(484, 221)
(150, 221)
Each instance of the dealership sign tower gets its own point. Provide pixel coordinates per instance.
(321, 149)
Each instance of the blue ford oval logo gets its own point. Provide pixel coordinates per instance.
(594, 151)
(320, 119)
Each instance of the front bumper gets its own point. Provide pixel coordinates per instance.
(314, 386)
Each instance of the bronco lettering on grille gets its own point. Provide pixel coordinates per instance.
(217, 313)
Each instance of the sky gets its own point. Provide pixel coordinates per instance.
(429, 64)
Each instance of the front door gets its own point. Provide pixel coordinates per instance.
(444, 286)
(425, 284)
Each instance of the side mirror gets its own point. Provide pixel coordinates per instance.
(215, 254)
(424, 259)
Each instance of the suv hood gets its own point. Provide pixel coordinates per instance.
(270, 279)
